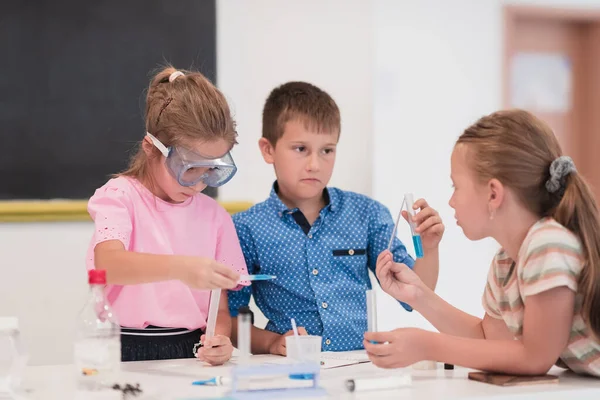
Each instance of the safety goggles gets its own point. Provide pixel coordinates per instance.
(190, 168)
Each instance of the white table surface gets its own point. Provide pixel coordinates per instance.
(171, 380)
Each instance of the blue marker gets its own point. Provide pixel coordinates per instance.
(408, 197)
(215, 381)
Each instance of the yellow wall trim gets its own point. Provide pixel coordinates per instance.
(69, 210)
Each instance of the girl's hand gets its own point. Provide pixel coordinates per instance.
(398, 348)
(429, 224)
(216, 351)
(398, 280)
(205, 273)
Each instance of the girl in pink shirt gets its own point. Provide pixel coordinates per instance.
(162, 242)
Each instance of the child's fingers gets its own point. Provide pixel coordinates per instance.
(225, 271)
(421, 203)
(302, 331)
(215, 352)
(405, 216)
(281, 349)
(383, 265)
(217, 361)
(428, 223)
(220, 340)
(384, 271)
(223, 282)
(423, 215)
(384, 256)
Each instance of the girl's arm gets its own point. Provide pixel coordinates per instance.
(449, 319)
(405, 285)
(129, 268)
(546, 329)
(218, 349)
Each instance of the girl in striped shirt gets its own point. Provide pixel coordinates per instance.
(542, 297)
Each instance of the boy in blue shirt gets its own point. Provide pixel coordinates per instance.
(320, 242)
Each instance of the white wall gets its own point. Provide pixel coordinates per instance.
(408, 77)
(264, 43)
(43, 282)
(437, 69)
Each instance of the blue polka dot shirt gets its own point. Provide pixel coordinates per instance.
(321, 269)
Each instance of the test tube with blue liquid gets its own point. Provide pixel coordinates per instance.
(409, 199)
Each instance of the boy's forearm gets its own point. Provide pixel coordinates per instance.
(506, 356)
(428, 268)
(261, 339)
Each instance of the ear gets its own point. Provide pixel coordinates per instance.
(266, 149)
(148, 147)
(496, 192)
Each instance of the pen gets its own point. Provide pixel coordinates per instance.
(214, 381)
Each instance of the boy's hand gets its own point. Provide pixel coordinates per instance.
(278, 345)
(429, 224)
(398, 280)
(216, 350)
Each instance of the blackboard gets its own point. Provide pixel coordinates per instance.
(73, 77)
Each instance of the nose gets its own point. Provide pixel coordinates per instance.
(200, 186)
(313, 163)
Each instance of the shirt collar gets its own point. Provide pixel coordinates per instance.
(330, 196)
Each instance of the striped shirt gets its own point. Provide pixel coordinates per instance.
(551, 256)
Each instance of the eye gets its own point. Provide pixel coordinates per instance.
(299, 149)
(328, 151)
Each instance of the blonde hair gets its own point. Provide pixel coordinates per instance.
(517, 148)
(181, 107)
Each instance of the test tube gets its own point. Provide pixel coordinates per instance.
(213, 310)
(243, 333)
(408, 197)
(371, 311)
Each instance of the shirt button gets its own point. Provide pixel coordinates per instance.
(315, 271)
(351, 252)
(310, 235)
(328, 342)
(324, 305)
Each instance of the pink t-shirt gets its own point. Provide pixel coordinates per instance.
(123, 209)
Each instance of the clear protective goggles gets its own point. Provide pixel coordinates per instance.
(190, 168)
